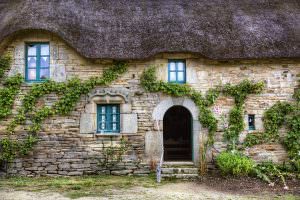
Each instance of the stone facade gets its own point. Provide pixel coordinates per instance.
(70, 146)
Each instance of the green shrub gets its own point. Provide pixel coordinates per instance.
(234, 163)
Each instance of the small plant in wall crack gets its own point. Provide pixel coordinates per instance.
(113, 154)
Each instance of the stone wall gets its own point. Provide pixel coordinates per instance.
(64, 149)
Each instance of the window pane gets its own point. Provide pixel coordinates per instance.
(114, 118)
(172, 76)
(44, 62)
(251, 122)
(31, 74)
(114, 126)
(172, 66)
(180, 66)
(44, 73)
(180, 76)
(31, 50)
(114, 109)
(108, 118)
(45, 49)
(102, 126)
(31, 62)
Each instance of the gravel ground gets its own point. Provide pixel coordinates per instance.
(178, 191)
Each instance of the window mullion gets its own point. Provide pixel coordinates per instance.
(176, 71)
(108, 118)
(38, 60)
(118, 118)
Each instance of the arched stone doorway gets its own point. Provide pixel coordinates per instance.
(177, 134)
(154, 139)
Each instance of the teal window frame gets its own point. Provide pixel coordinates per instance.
(38, 61)
(251, 122)
(108, 116)
(176, 61)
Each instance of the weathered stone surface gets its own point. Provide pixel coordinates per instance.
(62, 150)
(121, 172)
(129, 123)
(153, 145)
(87, 123)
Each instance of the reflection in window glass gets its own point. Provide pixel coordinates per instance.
(177, 71)
(172, 66)
(44, 49)
(37, 62)
(44, 73)
(31, 50)
(31, 62)
(32, 74)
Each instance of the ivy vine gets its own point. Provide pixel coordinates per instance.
(239, 92)
(69, 93)
(280, 114)
(11, 87)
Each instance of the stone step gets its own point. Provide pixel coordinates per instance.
(185, 170)
(178, 165)
(180, 176)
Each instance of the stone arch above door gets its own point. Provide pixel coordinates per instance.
(160, 110)
(153, 139)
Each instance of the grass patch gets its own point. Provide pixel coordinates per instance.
(76, 187)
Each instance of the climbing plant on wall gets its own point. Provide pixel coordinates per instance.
(280, 114)
(11, 87)
(239, 93)
(207, 119)
(69, 93)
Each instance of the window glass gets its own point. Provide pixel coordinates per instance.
(31, 62)
(108, 117)
(31, 74)
(31, 50)
(44, 62)
(44, 49)
(172, 76)
(177, 71)
(251, 122)
(44, 74)
(180, 77)
(37, 62)
(172, 66)
(180, 66)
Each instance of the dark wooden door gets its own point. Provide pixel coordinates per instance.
(177, 124)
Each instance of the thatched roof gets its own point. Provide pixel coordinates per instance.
(136, 29)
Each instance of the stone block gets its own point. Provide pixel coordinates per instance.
(58, 73)
(75, 173)
(129, 123)
(64, 166)
(121, 172)
(87, 123)
(141, 171)
(80, 166)
(153, 145)
(51, 167)
(126, 108)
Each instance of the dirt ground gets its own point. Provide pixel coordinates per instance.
(212, 186)
(184, 191)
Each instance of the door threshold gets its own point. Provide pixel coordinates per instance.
(178, 163)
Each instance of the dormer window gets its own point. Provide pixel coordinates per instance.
(176, 71)
(37, 62)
